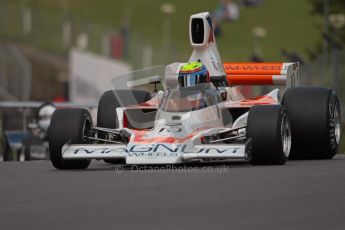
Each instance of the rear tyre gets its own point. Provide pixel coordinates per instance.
(68, 126)
(112, 99)
(315, 118)
(268, 127)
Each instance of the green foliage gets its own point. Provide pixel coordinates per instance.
(335, 6)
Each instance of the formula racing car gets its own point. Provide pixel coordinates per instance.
(200, 115)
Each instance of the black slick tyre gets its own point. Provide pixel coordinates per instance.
(110, 100)
(315, 116)
(268, 128)
(68, 126)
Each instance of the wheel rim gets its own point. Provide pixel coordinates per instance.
(286, 135)
(337, 124)
(86, 130)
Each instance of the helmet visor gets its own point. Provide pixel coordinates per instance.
(192, 79)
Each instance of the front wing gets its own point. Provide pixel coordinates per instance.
(158, 153)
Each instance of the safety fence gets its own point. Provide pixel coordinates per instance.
(327, 70)
(58, 31)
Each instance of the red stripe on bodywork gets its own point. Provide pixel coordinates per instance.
(250, 79)
(141, 139)
(154, 140)
(262, 100)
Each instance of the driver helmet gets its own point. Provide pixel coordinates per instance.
(193, 73)
(45, 113)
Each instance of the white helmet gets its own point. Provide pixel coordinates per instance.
(44, 116)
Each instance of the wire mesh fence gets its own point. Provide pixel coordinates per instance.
(15, 74)
(55, 31)
(327, 70)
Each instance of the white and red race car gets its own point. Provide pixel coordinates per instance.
(207, 122)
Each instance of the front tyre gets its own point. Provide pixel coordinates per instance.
(68, 126)
(268, 127)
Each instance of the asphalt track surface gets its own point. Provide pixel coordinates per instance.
(299, 195)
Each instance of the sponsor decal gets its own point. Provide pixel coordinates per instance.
(252, 67)
(211, 35)
(99, 150)
(163, 150)
(155, 150)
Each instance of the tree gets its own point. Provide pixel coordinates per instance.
(335, 7)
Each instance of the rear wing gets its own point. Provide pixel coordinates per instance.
(247, 73)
